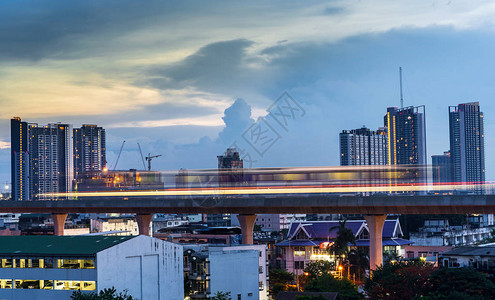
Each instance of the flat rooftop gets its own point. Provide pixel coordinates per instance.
(58, 245)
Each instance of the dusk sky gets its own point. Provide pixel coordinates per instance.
(186, 79)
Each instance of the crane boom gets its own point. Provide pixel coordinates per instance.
(142, 157)
(120, 152)
(149, 158)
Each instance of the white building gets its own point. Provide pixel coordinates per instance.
(52, 267)
(126, 224)
(439, 233)
(481, 258)
(240, 270)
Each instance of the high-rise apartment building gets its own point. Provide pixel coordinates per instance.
(363, 147)
(19, 159)
(41, 159)
(441, 167)
(467, 145)
(406, 140)
(51, 159)
(89, 149)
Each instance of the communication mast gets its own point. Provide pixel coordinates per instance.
(400, 81)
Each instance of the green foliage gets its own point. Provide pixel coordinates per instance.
(359, 260)
(222, 296)
(318, 268)
(327, 283)
(401, 280)
(106, 294)
(345, 236)
(279, 281)
(419, 280)
(463, 283)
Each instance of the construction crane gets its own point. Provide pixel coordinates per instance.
(120, 152)
(142, 157)
(149, 158)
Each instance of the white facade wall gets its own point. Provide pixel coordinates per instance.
(148, 268)
(235, 271)
(262, 267)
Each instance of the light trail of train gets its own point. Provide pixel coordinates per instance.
(277, 190)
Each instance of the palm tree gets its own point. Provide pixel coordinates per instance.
(359, 258)
(340, 246)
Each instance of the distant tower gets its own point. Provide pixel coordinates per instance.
(363, 147)
(89, 149)
(467, 144)
(406, 140)
(230, 173)
(441, 167)
(19, 159)
(230, 167)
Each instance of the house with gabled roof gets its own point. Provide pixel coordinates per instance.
(309, 241)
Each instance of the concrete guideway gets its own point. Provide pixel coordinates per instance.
(375, 209)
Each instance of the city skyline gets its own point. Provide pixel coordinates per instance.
(168, 91)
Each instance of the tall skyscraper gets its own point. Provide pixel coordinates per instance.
(406, 140)
(89, 149)
(467, 144)
(51, 159)
(41, 159)
(19, 159)
(441, 167)
(363, 147)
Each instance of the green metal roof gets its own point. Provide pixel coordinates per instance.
(58, 245)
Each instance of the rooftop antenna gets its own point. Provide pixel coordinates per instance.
(400, 79)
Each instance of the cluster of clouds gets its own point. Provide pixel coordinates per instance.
(170, 75)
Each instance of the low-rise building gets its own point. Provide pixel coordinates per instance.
(309, 241)
(126, 224)
(440, 233)
(53, 267)
(240, 270)
(481, 258)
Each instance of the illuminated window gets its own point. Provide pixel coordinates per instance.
(5, 283)
(6, 262)
(88, 285)
(75, 285)
(76, 264)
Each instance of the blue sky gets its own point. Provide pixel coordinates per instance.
(167, 74)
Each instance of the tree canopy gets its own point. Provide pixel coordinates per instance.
(327, 283)
(420, 280)
(105, 294)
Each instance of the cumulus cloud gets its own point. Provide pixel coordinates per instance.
(237, 119)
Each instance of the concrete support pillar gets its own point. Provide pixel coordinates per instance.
(58, 223)
(144, 221)
(375, 226)
(247, 226)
